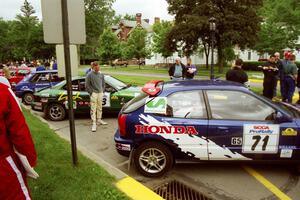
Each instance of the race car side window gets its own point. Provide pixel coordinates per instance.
(188, 104)
(235, 105)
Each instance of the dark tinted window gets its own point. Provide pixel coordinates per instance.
(75, 86)
(237, 105)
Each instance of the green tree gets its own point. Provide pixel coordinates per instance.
(281, 26)
(98, 16)
(137, 44)
(160, 32)
(109, 46)
(24, 28)
(237, 23)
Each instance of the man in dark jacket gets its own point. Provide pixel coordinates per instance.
(177, 70)
(237, 74)
(270, 71)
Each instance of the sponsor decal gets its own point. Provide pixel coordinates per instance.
(66, 103)
(286, 153)
(114, 98)
(64, 97)
(152, 129)
(156, 105)
(260, 138)
(106, 99)
(196, 146)
(289, 132)
(287, 147)
(236, 141)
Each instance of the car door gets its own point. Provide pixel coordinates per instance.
(186, 114)
(43, 81)
(241, 127)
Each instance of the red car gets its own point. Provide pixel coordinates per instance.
(17, 74)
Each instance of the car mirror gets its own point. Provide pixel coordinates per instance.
(278, 117)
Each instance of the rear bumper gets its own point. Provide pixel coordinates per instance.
(123, 146)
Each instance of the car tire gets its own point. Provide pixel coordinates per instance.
(55, 112)
(153, 159)
(28, 98)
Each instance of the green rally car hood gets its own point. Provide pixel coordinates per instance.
(132, 91)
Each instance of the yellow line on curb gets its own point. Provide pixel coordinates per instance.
(136, 190)
(270, 186)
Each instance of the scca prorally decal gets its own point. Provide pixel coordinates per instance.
(261, 130)
(192, 144)
(141, 129)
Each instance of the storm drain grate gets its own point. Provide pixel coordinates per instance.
(175, 190)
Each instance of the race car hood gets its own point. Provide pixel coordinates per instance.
(48, 92)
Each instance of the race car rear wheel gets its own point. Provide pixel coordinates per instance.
(28, 98)
(153, 159)
(56, 112)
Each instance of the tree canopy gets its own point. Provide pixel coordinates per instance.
(98, 16)
(237, 23)
(281, 26)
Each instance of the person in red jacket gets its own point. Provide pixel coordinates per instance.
(14, 137)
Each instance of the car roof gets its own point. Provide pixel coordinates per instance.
(44, 71)
(184, 85)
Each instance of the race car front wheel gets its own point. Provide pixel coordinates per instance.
(153, 159)
(28, 98)
(56, 112)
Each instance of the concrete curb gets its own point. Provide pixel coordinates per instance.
(128, 185)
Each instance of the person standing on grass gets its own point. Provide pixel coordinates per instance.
(89, 69)
(289, 81)
(191, 69)
(270, 71)
(15, 139)
(177, 70)
(279, 75)
(237, 74)
(95, 85)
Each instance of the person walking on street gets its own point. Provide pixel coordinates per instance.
(191, 69)
(177, 70)
(95, 86)
(15, 140)
(289, 81)
(270, 71)
(237, 74)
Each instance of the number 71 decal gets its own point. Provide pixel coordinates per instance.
(260, 138)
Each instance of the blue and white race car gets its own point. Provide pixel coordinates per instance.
(205, 121)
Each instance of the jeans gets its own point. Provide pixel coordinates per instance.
(288, 87)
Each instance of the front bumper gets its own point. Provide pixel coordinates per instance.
(37, 106)
(123, 146)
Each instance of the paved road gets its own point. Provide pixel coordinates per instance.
(222, 181)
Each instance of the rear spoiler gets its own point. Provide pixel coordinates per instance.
(151, 87)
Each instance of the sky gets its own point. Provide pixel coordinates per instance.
(149, 8)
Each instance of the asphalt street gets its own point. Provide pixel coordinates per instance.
(219, 180)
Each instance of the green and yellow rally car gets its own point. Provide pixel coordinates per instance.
(53, 101)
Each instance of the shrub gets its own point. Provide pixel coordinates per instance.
(252, 65)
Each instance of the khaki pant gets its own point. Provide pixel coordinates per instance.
(96, 106)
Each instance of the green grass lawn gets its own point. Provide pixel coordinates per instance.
(58, 178)
(136, 80)
(202, 71)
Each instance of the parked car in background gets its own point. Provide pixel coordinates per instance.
(120, 62)
(53, 101)
(16, 74)
(205, 121)
(35, 81)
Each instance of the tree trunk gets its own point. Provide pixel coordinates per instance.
(220, 58)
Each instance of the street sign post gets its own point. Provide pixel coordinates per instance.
(64, 23)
